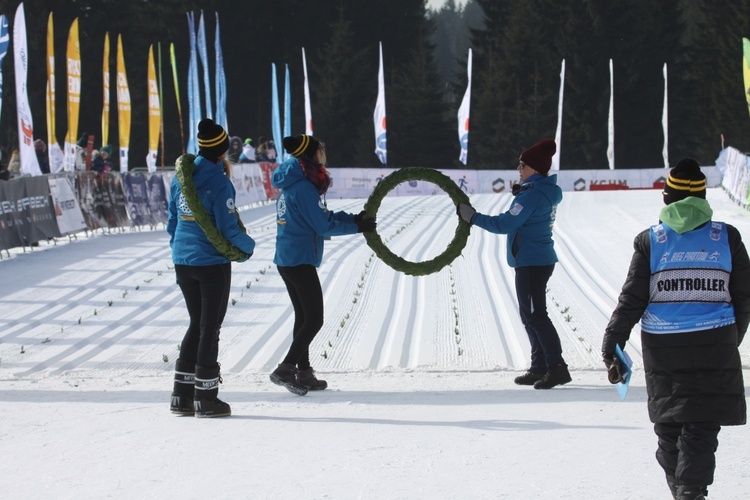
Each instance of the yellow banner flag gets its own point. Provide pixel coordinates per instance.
(746, 69)
(50, 82)
(105, 77)
(154, 112)
(123, 107)
(74, 95)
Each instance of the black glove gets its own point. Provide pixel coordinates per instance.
(466, 212)
(366, 225)
(359, 216)
(615, 373)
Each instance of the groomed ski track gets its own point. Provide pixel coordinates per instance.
(111, 300)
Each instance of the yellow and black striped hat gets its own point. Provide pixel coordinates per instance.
(213, 140)
(301, 145)
(685, 179)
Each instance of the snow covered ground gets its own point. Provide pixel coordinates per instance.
(421, 401)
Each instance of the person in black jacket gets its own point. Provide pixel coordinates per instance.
(689, 285)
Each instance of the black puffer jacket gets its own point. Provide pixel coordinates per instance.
(690, 377)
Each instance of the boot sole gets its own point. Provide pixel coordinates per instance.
(292, 387)
(212, 415)
(189, 413)
(552, 386)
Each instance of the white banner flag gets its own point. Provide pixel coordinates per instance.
(29, 162)
(381, 148)
(558, 132)
(463, 116)
(611, 121)
(664, 115)
(308, 112)
(67, 210)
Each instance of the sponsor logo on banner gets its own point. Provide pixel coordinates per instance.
(498, 185)
(579, 185)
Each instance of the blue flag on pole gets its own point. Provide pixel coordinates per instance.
(287, 111)
(275, 115)
(221, 82)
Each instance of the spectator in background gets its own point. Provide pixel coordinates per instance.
(235, 149)
(271, 150)
(101, 162)
(40, 148)
(14, 165)
(4, 174)
(248, 152)
(261, 152)
(81, 152)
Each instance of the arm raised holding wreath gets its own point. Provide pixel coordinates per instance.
(530, 250)
(303, 222)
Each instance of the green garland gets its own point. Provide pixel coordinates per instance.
(184, 168)
(456, 245)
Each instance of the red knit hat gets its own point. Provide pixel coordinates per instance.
(539, 156)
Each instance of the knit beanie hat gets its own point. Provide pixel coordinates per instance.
(539, 156)
(212, 140)
(106, 149)
(685, 179)
(301, 145)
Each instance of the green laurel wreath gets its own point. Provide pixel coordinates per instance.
(459, 239)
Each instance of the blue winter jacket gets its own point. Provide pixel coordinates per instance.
(302, 218)
(528, 222)
(189, 244)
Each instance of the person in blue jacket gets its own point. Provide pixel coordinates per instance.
(528, 224)
(203, 272)
(303, 222)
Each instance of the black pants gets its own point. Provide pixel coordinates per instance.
(687, 451)
(206, 292)
(531, 287)
(304, 289)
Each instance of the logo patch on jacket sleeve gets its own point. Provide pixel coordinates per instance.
(230, 204)
(516, 209)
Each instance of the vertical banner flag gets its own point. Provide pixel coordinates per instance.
(611, 121)
(74, 95)
(558, 132)
(154, 112)
(275, 115)
(287, 112)
(106, 91)
(194, 90)
(4, 42)
(463, 116)
(203, 52)
(29, 163)
(308, 111)
(221, 82)
(123, 106)
(381, 147)
(664, 122)
(746, 69)
(173, 62)
(54, 152)
(160, 77)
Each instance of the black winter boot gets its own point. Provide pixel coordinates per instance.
(184, 386)
(286, 375)
(307, 379)
(207, 404)
(529, 378)
(556, 375)
(688, 492)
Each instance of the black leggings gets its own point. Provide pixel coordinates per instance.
(687, 451)
(304, 289)
(206, 292)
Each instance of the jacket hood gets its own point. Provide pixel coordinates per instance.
(287, 174)
(547, 185)
(686, 214)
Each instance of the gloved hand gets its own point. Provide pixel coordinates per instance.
(247, 256)
(466, 212)
(615, 373)
(366, 225)
(359, 216)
